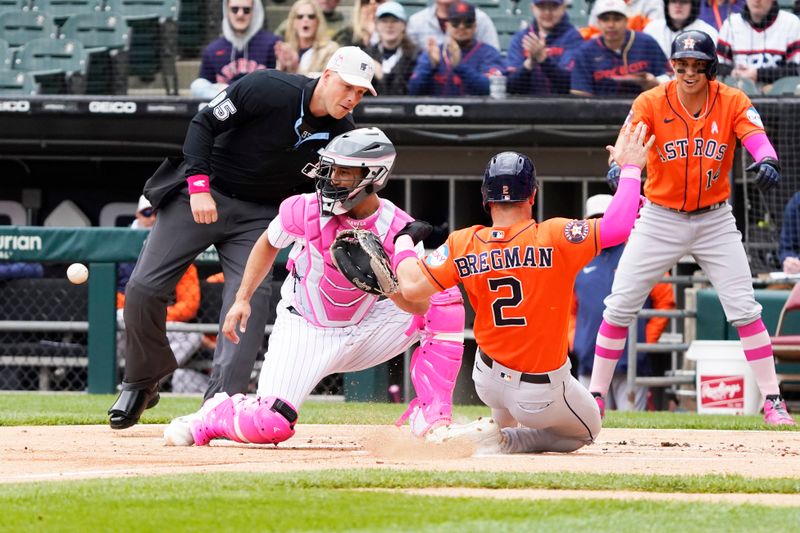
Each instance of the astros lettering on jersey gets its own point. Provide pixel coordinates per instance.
(688, 169)
(519, 281)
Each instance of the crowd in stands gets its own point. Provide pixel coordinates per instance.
(450, 47)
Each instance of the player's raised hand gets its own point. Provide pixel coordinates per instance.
(631, 147)
(768, 173)
(237, 315)
(433, 52)
(204, 208)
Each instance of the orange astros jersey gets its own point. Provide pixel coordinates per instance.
(519, 281)
(689, 165)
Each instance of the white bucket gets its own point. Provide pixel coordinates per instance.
(725, 381)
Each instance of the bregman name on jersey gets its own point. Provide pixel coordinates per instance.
(504, 259)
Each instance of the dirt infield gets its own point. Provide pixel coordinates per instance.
(72, 452)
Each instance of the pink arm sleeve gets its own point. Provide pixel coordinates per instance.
(759, 146)
(618, 219)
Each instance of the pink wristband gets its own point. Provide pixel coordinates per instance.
(631, 171)
(198, 183)
(401, 256)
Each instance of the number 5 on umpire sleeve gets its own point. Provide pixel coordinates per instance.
(495, 284)
(222, 106)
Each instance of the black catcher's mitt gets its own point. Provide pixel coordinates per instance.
(359, 255)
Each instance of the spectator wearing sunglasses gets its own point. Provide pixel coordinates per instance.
(335, 20)
(462, 65)
(306, 47)
(243, 47)
(432, 22)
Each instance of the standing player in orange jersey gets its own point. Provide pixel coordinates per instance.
(695, 120)
(519, 276)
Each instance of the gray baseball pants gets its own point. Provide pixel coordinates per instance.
(174, 242)
(560, 416)
(660, 238)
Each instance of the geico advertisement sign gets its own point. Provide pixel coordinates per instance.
(430, 110)
(112, 107)
(15, 106)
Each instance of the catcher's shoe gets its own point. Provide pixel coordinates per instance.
(775, 413)
(601, 404)
(179, 431)
(483, 433)
(130, 405)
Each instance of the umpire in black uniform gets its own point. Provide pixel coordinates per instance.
(243, 154)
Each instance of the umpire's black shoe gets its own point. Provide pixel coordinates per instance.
(130, 405)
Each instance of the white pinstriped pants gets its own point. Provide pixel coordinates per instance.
(300, 354)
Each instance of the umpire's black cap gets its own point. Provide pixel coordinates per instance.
(696, 44)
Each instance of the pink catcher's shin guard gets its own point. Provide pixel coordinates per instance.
(242, 419)
(435, 363)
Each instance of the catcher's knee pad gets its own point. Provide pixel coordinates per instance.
(261, 420)
(436, 362)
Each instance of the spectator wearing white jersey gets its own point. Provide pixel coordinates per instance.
(762, 43)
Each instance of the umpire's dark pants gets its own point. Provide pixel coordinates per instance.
(174, 242)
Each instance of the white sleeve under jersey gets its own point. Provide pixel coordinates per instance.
(277, 236)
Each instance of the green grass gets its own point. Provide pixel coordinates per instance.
(334, 500)
(66, 409)
(326, 501)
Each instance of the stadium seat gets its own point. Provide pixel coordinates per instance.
(787, 85)
(115, 212)
(105, 37)
(19, 27)
(60, 10)
(745, 85)
(12, 5)
(507, 26)
(57, 64)
(6, 55)
(17, 82)
(578, 11)
(154, 38)
(412, 6)
(9, 209)
(97, 30)
(144, 9)
(67, 215)
(787, 347)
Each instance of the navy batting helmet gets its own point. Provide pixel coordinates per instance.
(696, 44)
(509, 177)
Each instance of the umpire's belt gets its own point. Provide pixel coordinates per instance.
(700, 211)
(527, 378)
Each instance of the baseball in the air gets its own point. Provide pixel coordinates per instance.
(77, 273)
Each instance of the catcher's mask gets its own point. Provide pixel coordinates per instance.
(509, 177)
(366, 148)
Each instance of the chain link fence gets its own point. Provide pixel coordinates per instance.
(44, 340)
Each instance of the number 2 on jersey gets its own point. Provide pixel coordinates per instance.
(501, 305)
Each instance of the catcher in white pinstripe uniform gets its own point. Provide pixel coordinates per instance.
(325, 325)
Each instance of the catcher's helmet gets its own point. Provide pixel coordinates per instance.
(696, 44)
(509, 177)
(366, 148)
